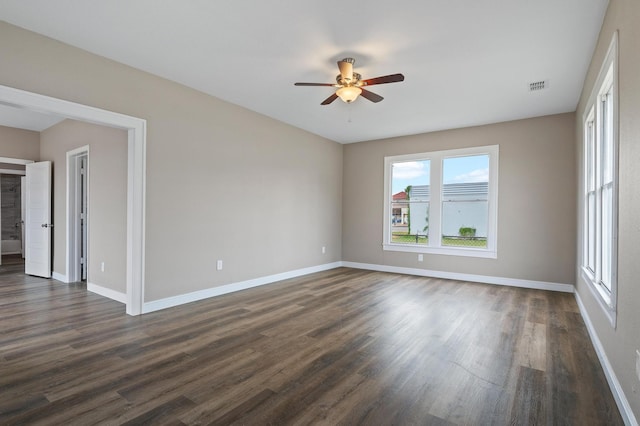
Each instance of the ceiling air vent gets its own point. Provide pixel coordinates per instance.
(537, 85)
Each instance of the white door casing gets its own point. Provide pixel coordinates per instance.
(0, 222)
(23, 210)
(77, 240)
(38, 219)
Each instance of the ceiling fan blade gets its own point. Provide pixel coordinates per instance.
(346, 70)
(314, 84)
(373, 97)
(329, 99)
(393, 78)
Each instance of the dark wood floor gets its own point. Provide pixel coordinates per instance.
(339, 347)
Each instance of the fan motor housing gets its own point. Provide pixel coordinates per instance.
(353, 82)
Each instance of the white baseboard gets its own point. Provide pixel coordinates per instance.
(512, 282)
(94, 288)
(60, 277)
(107, 292)
(616, 389)
(181, 299)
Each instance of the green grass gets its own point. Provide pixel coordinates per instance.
(402, 238)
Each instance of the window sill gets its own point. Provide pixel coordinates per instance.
(603, 298)
(447, 251)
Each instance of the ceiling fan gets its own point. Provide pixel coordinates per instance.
(350, 84)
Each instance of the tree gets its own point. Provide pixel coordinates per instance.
(426, 227)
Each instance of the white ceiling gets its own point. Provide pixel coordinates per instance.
(24, 119)
(466, 62)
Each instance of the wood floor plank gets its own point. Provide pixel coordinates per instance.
(343, 346)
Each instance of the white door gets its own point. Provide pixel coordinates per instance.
(38, 219)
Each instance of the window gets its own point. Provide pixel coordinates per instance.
(465, 201)
(442, 202)
(599, 239)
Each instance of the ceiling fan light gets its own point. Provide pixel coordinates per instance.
(349, 93)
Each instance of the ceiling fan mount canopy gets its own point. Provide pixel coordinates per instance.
(349, 84)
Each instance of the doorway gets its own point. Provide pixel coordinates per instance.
(12, 210)
(11, 216)
(136, 128)
(78, 214)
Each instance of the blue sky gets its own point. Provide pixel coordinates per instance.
(455, 170)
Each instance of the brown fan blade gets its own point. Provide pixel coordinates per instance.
(329, 99)
(346, 70)
(371, 96)
(314, 84)
(393, 78)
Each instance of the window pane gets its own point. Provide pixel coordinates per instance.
(591, 231)
(465, 201)
(607, 139)
(591, 157)
(410, 202)
(607, 235)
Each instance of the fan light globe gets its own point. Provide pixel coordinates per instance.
(349, 93)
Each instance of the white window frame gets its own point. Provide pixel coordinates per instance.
(595, 183)
(435, 212)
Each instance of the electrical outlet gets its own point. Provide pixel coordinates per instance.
(638, 363)
(102, 267)
(219, 265)
(324, 249)
(420, 257)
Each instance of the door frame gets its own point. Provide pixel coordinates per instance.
(136, 171)
(73, 207)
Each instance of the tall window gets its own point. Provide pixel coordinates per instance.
(442, 202)
(600, 181)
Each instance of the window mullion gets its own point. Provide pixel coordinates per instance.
(435, 210)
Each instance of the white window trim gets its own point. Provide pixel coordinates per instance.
(435, 246)
(608, 74)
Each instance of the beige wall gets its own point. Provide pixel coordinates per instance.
(18, 143)
(222, 182)
(621, 342)
(107, 197)
(536, 199)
